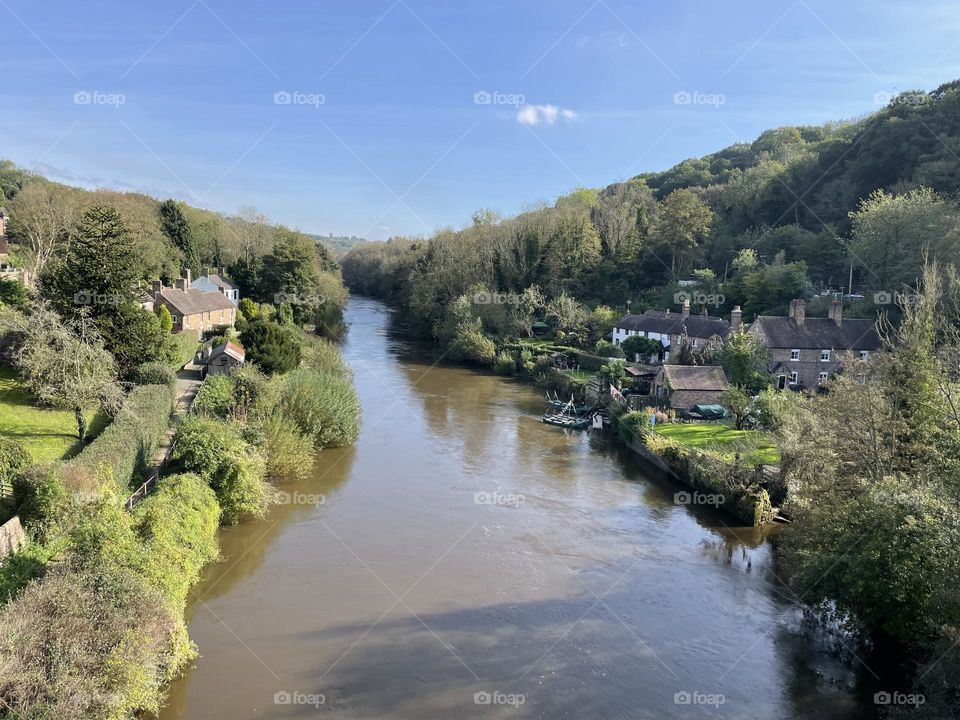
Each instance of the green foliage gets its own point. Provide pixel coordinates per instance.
(605, 348)
(214, 450)
(504, 363)
(247, 309)
(166, 319)
(469, 344)
(18, 568)
(273, 348)
(324, 406)
(177, 526)
(176, 227)
(125, 448)
(640, 345)
(155, 373)
(215, 397)
(288, 453)
(745, 359)
(14, 294)
(93, 642)
(614, 372)
(42, 501)
(14, 458)
(180, 349)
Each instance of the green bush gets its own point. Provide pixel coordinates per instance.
(181, 348)
(323, 406)
(215, 397)
(469, 344)
(14, 459)
(215, 451)
(17, 569)
(288, 453)
(126, 447)
(633, 426)
(154, 373)
(95, 643)
(607, 349)
(504, 364)
(272, 347)
(254, 394)
(324, 355)
(42, 501)
(177, 526)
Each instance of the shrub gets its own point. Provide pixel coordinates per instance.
(274, 348)
(154, 373)
(469, 344)
(42, 501)
(607, 349)
(96, 643)
(14, 458)
(241, 487)
(216, 452)
(324, 407)
(17, 569)
(215, 397)
(177, 526)
(181, 348)
(125, 448)
(288, 453)
(324, 355)
(504, 364)
(633, 425)
(254, 394)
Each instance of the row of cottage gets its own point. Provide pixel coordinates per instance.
(804, 352)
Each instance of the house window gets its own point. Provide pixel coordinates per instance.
(693, 342)
(822, 377)
(864, 354)
(794, 377)
(794, 354)
(824, 356)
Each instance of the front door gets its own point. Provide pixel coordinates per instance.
(781, 382)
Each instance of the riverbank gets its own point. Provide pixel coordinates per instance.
(498, 533)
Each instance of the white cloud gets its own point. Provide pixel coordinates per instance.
(543, 114)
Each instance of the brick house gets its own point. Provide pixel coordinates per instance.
(669, 328)
(805, 352)
(224, 359)
(193, 309)
(683, 386)
(217, 282)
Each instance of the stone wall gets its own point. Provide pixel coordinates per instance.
(12, 537)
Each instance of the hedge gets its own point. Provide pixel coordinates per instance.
(126, 447)
(182, 348)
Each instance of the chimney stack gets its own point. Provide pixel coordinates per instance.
(686, 308)
(157, 288)
(3, 222)
(703, 311)
(205, 272)
(798, 311)
(736, 317)
(187, 277)
(836, 311)
(223, 272)
(666, 313)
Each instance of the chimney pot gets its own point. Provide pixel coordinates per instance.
(736, 317)
(187, 277)
(686, 308)
(798, 311)
(157, 287)
(205, 271)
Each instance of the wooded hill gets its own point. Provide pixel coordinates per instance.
(756, 223)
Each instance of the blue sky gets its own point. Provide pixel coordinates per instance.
(369, 118)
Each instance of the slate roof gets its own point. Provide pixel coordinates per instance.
(817, 333)
(193, 302)
(696, 377)
(220, 281)
(657, 321)
(229, 348)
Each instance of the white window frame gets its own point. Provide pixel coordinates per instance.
(794, 377)
(822, 378)
(794, 355)
(693, 342)
(864, 354)
(825, 355)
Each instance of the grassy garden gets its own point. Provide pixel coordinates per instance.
(755, 446)
(47, 434)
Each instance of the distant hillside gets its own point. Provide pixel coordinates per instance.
(339, 245)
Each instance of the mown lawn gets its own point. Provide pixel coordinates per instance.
(47, 434)
(755, 446)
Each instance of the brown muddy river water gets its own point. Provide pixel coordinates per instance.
(468, 561)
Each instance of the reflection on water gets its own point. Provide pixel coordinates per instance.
(574, 584)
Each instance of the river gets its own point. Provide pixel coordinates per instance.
(463, 560)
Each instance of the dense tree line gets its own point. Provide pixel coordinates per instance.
(798, 210)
